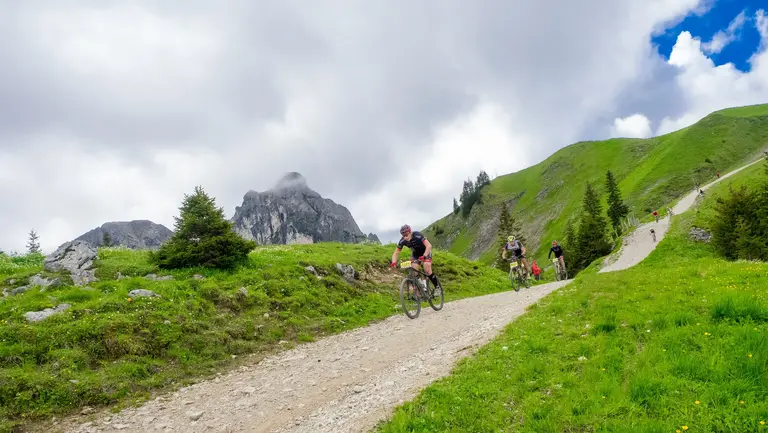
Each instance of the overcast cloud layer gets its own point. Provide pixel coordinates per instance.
(113, 110)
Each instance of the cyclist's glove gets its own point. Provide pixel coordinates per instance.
(392, 265)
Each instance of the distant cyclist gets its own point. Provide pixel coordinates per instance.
(653, 234)
(558, 251)
(656, 215)
(518, 250)
(421, 250)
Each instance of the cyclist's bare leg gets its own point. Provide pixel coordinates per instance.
(562, 262)
(525, 267)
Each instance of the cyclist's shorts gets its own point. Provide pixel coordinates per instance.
(426, 258)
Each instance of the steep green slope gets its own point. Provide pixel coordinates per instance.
(110, 346)
(651, 173)
(676, 343)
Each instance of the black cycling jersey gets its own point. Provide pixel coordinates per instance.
(416, 244)
(558, 250)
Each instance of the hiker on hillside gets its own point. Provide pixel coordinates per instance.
(653, 234)
(656, 215)
(718, 175)
(669, 212)
(536, 270)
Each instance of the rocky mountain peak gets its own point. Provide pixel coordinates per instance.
(136, 234)
(291, 212)
(291, 181)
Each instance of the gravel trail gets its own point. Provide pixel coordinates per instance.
(343, 383)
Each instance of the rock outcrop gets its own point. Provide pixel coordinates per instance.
(292, 213)
(136, 234)
(373, 238)
(75, 257)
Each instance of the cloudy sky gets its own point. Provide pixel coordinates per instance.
(113, 110)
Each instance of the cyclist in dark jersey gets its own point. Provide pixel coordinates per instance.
(558, 251)
(421, 250)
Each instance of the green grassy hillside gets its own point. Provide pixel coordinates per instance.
(651, 173)
(110, 347)
(678, 343)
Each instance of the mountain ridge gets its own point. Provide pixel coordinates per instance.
(651, 173)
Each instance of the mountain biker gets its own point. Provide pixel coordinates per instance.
(536, 270)
(518, 250)
(653, 233)
(421, 250)
(656, 215)
(558, 250)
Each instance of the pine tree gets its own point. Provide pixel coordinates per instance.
(455, 206)
(507, 226)
(591, 239)
(616, 207)
(569, 241)
(33, 246)
(469, 196)
(739, 204)
(747, 245)
(106, 240)
(502, 233)
(482, 179)
(202, 237)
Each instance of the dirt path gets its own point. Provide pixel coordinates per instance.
(343, 383)
(639, 244)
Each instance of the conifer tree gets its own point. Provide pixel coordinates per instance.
(33, 246)
(202, 237)
(592, 241)
(616, 207)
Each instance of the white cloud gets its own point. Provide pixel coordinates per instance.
(112, 112)
(483, 139)
(725, 37)
(708, 87)
(634, 126)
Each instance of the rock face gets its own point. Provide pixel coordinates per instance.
(700, 235)
(77, 258)
(292, 213)
(373, 238)
(136, 234)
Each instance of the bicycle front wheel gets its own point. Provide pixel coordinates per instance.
(410, 298)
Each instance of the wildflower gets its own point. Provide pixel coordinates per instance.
(697, 402)
(707, 333)
(750, 355)
(685, 427)
(741, 401)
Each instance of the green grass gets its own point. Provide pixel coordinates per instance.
(651, 173)
(679, 340)
(108, 348)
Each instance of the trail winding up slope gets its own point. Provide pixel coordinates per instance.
(639, 244)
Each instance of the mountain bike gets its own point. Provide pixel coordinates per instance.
(516, 275)
(560, 272)
(417, 287)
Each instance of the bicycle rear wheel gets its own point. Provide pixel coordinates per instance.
(437, 295)
(410, 298)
